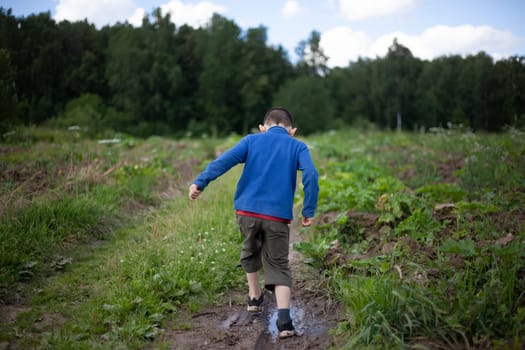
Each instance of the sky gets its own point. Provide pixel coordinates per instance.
(349, 29)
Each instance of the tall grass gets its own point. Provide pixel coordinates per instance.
(60, 189)
(384, 313)
(454, 276)
(55, 221)
(33, 235)
(183, 257)
(155, 254)
(448, 278)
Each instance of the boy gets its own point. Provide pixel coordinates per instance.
(264, 205)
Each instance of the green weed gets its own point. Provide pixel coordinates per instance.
(467, 286)
(32, 236)
(184, 256)
(422, 276)
(384, 313)
(442, 193)
(420, 225)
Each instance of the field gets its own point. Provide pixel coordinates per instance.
(419, 242)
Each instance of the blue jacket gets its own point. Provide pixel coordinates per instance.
(267, 184)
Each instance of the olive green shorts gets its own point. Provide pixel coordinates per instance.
(266, 245)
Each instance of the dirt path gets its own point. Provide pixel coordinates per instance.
(230, 326)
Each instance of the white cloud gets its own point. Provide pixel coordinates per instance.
(445, 40)
(104, 12)
(137, 17)
(342, 44)
(356, 10)
(291, 8)
(99, 12)
(195, 15)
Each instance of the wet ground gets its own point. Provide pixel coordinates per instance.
(230, 326)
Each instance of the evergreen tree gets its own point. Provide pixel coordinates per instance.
(309, 100)
(8, 113)
(220, 80)
(264, 71)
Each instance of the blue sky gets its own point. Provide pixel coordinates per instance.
(349, 28)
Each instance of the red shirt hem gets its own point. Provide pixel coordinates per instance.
(262, 216)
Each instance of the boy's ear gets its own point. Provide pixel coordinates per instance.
(292, 131)
(262, 128)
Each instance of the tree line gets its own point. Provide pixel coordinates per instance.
(160, 78)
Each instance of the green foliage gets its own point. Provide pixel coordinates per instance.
(495, 163)
(355, 184)
(344, 194)
(488, 301)
(105, 241)
(349, 231)
(32, 235)
(395, 207)
(385, 313)
(159, 78)
(181, 258)
(264, 71)
(89, 114)
(420, 275)
(22, 136)
(313, 61)
(465, 247)
(420, 225)
(449, 274)
(164, 275)
(8, 113)
(144, 76)
(442, 193)
(60, 190)
(314, 250)
(308, 99)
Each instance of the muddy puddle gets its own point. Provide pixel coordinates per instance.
(231, 326)
(307, 326)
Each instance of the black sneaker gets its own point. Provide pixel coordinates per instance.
(255, 305)
(286, 330)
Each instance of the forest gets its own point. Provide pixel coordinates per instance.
(165, 79)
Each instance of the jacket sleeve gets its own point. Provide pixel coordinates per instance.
(230, 158)
(310, 183)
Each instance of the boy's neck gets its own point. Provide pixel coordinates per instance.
(290, 130)
(268, 127)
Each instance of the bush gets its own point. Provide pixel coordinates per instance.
(90, 114)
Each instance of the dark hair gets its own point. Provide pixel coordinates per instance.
(279, 115)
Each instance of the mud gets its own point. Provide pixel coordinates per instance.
(230, 326)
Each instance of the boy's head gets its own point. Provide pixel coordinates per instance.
(278, 116)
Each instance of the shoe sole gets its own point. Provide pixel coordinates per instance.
(254, 308)
(286, 334)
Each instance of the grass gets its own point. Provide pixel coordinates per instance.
(102, 250)
(61, 188)
(443, 266)
(105, 250)
(46, 228)
(183, 256)
(384, 312)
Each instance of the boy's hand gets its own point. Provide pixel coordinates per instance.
(307, 222)
(194, 192)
